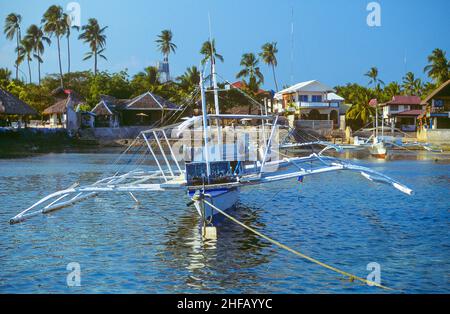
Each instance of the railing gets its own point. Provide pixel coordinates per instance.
(314, 124)
(309, 104)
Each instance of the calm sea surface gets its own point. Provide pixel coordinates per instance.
(339, 218)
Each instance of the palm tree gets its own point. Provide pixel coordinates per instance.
(250, 70)
(95, 36)
(11, 30)
(25, 51)
(439, 67)
(68, 31)
(190, 79)
(5, 74)
(374, 80)
(150, 75)
(269, 56)
(411, 85)
(361, 110)
(392, 89)
(209, 53)
(55, 24)
(249, 62)
(36, 36)
(165, 45)
(188, 82)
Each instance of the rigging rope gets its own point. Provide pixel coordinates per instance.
(304, 256)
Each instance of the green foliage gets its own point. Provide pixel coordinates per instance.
(438, 67)
(5, 74)
(360, 113)
(269, 55)
(165, 44)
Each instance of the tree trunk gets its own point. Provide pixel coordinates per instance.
(29, 68)
(274, 77)
(95, 63)
(68, 54)
(17, 64)
(60, 66)
(39, 68)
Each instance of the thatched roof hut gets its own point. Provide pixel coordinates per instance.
(11, 105)
(60, 106)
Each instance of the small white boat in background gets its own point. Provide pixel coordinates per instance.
(378, 149)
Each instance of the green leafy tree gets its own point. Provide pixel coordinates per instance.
(250, 71)
(411, 85)
(69, 29)
(12, 30)
(360, 113)
(25, 52)
(147, 80)
(189, 80)
(95, 36)
(438, 67)
(269, 56)
(55, 24)
(5, 74)
(36, 36)
(392, 89)
(165, 44)
(210, 54)
(374, 80)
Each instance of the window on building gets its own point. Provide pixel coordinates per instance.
(303, 98)
(394, 107)
(316, 98)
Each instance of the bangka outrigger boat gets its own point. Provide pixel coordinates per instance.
(210, 170)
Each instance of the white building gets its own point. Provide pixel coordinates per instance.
(312, 101)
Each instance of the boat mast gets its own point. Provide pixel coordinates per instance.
(376, 123)
(216, 91)
(205, 125)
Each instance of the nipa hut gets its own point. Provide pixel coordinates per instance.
(10, 105)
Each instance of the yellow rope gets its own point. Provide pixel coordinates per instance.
(351, 276)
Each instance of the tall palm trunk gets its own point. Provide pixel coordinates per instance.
(274, 77)
(59, 60)
(39, 67)
(29, 68)
(68, 54)
(17, 64)
(95, 62)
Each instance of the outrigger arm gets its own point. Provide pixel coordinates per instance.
(138, 180)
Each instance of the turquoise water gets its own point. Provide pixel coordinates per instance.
(341, 219)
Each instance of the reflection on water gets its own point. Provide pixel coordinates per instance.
(208, 260)
(339, 218)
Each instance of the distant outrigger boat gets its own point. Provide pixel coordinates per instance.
(213, 174)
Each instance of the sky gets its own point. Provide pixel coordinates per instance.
(331, 41)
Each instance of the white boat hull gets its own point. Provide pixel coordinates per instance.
(223, 199)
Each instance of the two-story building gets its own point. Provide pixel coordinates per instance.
(402, 112)
(313, 101)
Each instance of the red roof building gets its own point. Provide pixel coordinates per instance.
(240, 85)
(403, 111)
